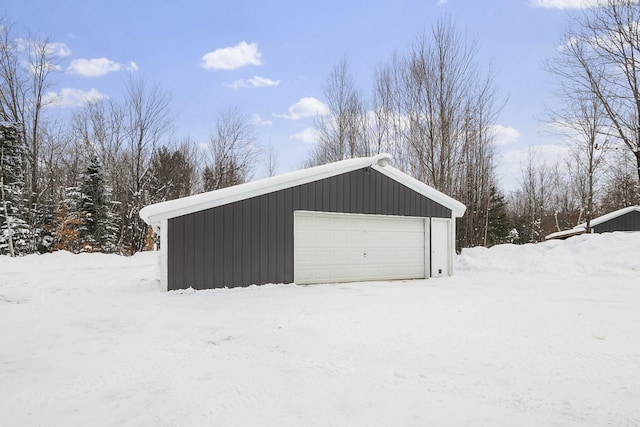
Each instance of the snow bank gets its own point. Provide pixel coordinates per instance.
(588, 254)
(528, 335)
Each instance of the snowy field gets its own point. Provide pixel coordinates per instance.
(534, 335)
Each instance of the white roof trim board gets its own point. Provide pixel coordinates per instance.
(582, 228)
(154, 214)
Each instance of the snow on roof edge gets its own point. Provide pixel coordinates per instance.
(153, 214)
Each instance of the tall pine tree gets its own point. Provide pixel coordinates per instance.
(208, 181)
(84, 221)
(100, 229)
(498, 227)
(170, 175)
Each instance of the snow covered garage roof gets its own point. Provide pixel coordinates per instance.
(154, 214)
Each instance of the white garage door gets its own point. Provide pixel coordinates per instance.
(334, 247)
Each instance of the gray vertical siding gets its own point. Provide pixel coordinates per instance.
(627, 222)
(251, 241)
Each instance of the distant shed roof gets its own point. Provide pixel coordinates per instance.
(611, 215)
(582, 228)
(155, 213)
(566, 233)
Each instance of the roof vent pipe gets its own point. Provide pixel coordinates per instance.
(382, 159)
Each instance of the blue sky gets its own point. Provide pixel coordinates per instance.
(270, 58)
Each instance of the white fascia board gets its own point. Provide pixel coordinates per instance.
(452, 247)
(164, 255)
(457, 208)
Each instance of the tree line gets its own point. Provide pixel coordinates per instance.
(597, 116)
(435, 110)
(78, 183)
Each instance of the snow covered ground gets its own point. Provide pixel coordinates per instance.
(532, 335)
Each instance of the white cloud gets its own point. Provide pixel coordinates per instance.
(306, 107)
(441, 2)
(308, 135)
(564, 4)
(503, 135)
(547, 154)
(97, 67)
(70, 97)
(511, 163)
(230, 58)
(59, 49)
(22, 44)
(259, 121)
(256, 81)
(54, 49)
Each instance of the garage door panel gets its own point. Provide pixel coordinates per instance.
(330, 247)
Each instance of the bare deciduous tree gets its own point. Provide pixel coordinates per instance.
(581, 120)
(232, 150)
(389, 123)
(271, 161)
(620, 188)
(342, 133)
(434, 111)
(146, 122)
(541, 197)
(604, 46)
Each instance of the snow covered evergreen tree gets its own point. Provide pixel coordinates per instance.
(100, 230)
(84, 220)
(498, 227)
(14, 230)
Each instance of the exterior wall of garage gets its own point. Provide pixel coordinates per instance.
(251, 241)
(627, 222)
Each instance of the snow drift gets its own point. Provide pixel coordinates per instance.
(545, 334)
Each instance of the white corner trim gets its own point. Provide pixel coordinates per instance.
(427, 247)
(164, 255)
(452, 244)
